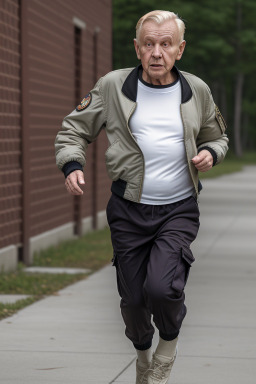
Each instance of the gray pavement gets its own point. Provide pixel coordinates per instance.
(78, 336)
(55, 270)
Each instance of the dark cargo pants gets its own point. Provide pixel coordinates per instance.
(152, 257)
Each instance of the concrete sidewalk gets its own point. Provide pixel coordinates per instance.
(78, 336)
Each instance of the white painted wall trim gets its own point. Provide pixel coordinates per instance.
(87, 225)
(8, 258)
(102, 219)
(9, 255)
(52, 237)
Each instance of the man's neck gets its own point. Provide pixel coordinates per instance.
(170, 78)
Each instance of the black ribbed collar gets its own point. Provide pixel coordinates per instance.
(131, 84)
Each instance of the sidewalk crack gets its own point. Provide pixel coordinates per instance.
(123, 370)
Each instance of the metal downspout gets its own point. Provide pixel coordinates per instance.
(25, 132)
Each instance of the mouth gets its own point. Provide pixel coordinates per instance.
(156, 65)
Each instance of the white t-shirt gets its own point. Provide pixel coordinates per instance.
(157, 127)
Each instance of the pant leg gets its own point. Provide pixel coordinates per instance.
(168, 268)
(132, 246)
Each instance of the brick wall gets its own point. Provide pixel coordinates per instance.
(10, 128)
(52, 96)
(47, 79)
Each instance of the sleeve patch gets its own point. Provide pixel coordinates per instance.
(220, 119)
(84, 103)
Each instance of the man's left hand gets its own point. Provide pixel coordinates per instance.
(203, 161)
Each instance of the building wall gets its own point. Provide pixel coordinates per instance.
(10, 128)
(34, 100)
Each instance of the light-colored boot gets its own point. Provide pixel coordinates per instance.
(160, 371)
(142, 372)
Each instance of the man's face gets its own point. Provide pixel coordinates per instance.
(158, 48)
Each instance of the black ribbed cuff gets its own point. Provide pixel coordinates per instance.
(143, 347)
(71, 166)
(212, 152)
(169, 337)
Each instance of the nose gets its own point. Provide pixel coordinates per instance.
(156, 53)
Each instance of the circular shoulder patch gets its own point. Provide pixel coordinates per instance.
(85, 102)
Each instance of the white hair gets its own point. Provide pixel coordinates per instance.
(160, 17)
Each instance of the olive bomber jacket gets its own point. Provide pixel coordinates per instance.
(110, 105)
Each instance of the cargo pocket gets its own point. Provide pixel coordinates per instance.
(114, 264)
(182, 270)
(121, 284)
(114, 260)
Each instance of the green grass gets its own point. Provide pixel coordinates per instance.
(38, 284)
(7, 310)
(91, 251)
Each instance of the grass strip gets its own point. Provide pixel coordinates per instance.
(38, 285)
(7, 310)
(91, 251)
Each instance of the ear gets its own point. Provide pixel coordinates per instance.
(181, 50)
(137, 50)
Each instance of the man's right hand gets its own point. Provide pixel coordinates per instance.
(72, 181)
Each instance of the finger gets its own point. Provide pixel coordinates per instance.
(204, 163)
(199, 160)
(69, 187)
(205, 167)
(200, 165)
(200, 157)
(196, 160)
(73, 179)
(81, 178)
(73, 187)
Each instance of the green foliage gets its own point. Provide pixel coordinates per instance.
(221, 43)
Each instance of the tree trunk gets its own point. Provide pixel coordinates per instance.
(246, 142)
(223, 101)
(237, 114)
(238, 83)
(215, 92)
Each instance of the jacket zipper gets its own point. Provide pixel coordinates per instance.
(127, 124)
(185, 142)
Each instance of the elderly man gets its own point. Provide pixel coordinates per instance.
(163, 127)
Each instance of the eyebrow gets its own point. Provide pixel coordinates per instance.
(166, 37)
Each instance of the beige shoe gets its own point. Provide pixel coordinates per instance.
(142, 373)
(159, 372)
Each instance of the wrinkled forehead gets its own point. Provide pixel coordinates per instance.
(151, 29)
